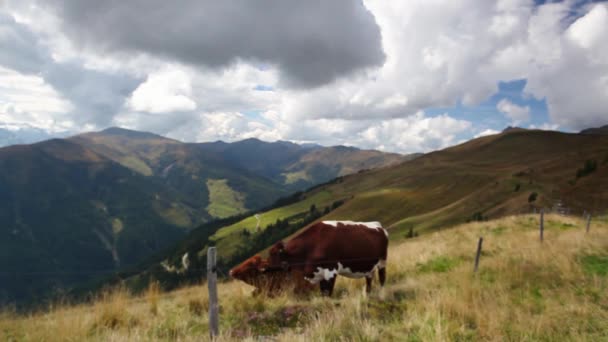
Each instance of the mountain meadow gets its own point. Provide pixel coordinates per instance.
(515, 172)
(435, 206)
(524, 290)
(80, 209)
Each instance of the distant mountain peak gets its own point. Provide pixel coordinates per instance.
(124, 132)
(597, 130)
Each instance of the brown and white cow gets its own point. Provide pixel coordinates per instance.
(331, 248)
(257, 272)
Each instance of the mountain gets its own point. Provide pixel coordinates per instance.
(517, 171)
(210, 186)
(301, 166)
(598, 130)
(68, 214)
(76, 209)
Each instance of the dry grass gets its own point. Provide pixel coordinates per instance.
(524, 291)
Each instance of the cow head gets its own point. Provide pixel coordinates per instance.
(250, 270)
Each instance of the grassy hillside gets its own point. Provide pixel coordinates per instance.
(487, 177)
(524, 291)
(102, 201)
(518, 171)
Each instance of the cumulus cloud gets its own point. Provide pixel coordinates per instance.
(339, 72)
(311, 42)
(164, 91)
(486, 132)
(414, 133)
(27, 100)
(574, 79)
(54, 95)
(20, 49)
(517, 114)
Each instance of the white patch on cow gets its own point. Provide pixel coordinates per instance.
(328, 274)
(347, 272)
(372, 225)
(322, 274)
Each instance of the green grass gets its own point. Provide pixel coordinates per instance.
(320, 199)
(223, 200)
(439, 264)
(292, 177)
(595, 264)
(524, 291)
(136, 164)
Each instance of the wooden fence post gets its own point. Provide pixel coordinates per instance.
(588, 222)
(478, 254)
(212, 284)
(542, 224)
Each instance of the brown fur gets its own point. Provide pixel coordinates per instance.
(354, 246)
(257, 272)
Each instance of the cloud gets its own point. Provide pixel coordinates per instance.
(54, 95)
(574, 81)
(19, 50)
(339, 72)
(414, 134)
(545, 126)
(168, 90)
(486, 132)
(311, 42)
(516, 113)
(27, 100)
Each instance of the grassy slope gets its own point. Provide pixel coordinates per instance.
(229, 238)
(524, 291)
(447, 187)
(223, 200)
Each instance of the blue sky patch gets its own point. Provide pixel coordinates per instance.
(486, 114)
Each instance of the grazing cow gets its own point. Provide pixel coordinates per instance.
(329, 248)
(269, 280)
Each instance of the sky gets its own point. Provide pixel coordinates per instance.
(399, 76)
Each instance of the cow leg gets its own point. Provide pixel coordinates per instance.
(368, 283)
(382, 275)
(327, 286)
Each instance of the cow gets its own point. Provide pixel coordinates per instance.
(257, 272)
(331, 248)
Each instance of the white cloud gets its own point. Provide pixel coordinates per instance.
(486, 132)
(168, 90)
(27, 101)
(439, 53)
(590, 30)
(574, 77)
(415, 133)
(545, 126)
(516, 113)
